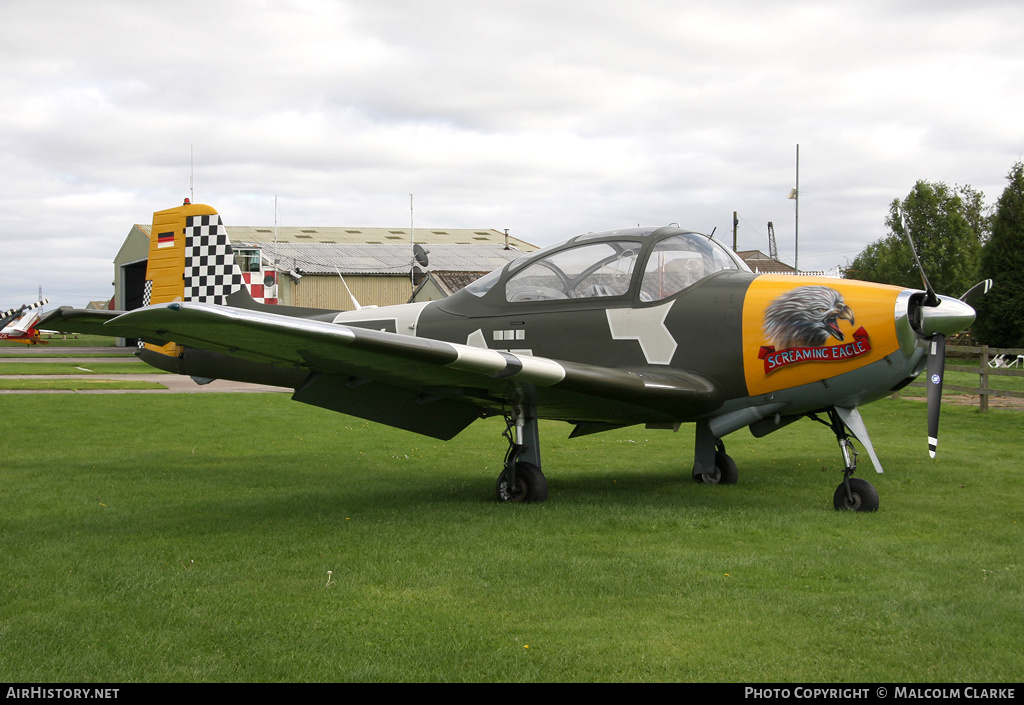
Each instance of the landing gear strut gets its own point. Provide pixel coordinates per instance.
(724, 471)
(522, 480)
(711, 465)
(853, 492)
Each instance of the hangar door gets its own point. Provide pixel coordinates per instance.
(133, 283)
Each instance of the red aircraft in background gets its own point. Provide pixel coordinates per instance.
(19, 324)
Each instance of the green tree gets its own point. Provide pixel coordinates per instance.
(1001, 312)
(948, 226)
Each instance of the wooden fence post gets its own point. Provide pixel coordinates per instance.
(983, 378)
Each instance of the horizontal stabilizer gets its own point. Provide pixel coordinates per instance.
(79, 320)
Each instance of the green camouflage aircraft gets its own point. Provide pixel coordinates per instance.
(656, 326)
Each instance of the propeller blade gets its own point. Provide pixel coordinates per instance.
(976, 291)
(932, 299)
(936, 366)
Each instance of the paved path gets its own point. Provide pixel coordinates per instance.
(76, 360)
(175, 384)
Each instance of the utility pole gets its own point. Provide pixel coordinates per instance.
(735, 225)
(796, 251)
(794, 194)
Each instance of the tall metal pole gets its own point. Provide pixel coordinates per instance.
(796, 254)
(412, 238)
(735, 225)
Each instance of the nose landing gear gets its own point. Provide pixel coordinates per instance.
(853, 493)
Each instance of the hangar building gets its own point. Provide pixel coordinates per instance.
(326, 267)
(318, 267)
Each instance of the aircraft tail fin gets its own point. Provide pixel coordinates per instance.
(24, 324)
(16, 315)
(190, 259)
(22, 319)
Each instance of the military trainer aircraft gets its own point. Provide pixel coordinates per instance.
(20, 324)
(657, 326)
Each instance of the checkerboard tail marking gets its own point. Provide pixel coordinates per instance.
(210, 271)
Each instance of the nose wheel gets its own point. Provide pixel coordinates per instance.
(853, 493)
(856, 494)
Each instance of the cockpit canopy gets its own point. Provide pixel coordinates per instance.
(605, 264)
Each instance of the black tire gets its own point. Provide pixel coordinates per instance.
(725, 472)
(531, 485)
(863, 496)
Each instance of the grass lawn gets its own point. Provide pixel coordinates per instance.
(189, 538)
(10, 366)
(968, 379)
(76, 384)
(128, 367)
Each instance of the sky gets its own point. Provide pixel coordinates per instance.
(550, 118)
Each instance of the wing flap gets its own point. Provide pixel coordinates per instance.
(426, 414)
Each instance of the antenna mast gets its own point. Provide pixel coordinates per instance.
(796, 226)
(412, 237)
(191, 175)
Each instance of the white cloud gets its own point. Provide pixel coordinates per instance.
(546, 118)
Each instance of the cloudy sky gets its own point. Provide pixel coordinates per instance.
(547, 117)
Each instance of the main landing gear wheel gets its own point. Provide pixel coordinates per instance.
(530, 485)
(725, 472)
(861, 497)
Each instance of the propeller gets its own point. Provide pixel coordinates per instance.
(936, 367)
(940, 316)
(972, 294)
(930, 299)
(17, 312)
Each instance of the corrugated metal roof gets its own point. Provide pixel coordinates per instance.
(382, 236)
(381, 251)
(392, 259)
(371, 236)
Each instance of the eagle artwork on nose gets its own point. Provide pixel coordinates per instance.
(806, 317)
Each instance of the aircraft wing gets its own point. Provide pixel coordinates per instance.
(79, 320)
(414, 378)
